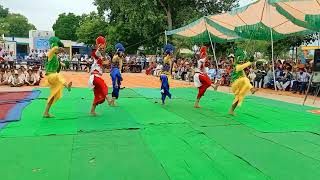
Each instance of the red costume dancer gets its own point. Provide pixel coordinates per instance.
(96, 82)
(201, 79)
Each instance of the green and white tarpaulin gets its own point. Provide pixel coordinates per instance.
(199, 31)
(305, 13)
(256, 20)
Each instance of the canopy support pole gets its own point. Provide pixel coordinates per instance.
(165, 33)
(273, 64)
(213, 47)
(272, 52)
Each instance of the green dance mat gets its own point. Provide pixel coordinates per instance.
(141, 139)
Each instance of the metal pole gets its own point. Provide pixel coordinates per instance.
(165, 33)
(212, 47)
(307, 93)
(317, 93)
(272, 51)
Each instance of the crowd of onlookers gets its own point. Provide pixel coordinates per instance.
(16, 76)
(289, 76)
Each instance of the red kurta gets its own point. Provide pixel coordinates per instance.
(206, 83)
(100, 90)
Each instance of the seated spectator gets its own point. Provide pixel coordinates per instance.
(268, 79)
(15, 80)
(301, 81)
(284, 81)
(33, 78)
(22, 75)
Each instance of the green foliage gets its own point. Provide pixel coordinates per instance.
(66, 26)
(90, 28)
(14, 24)
(4, 12)
(283, 46)
(18, 25)
(138, 23)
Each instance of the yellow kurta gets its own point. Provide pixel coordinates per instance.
(54, 81)
(241, 86)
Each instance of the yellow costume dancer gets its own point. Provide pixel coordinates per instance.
(53, 78)
(240, 83)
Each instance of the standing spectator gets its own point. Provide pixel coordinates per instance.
(259, 78)
(212, 72)
(302, 81)
(9, 58)
(3, 76)
(268, 78)
(252, 76)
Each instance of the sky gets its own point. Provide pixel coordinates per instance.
(43, 13)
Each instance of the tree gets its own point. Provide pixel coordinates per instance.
(283, 46)
(12, 24)
(18, 25)
(176, 12)
(66, 26)
(90, 28)
(143, 22)
(134, 23)
(3, 12)
(191, 9)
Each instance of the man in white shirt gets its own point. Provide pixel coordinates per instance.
(9, 58)
(15, 80)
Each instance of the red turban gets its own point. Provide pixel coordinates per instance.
(100, 41)
(203, 52)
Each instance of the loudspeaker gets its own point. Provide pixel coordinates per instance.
(316, 62)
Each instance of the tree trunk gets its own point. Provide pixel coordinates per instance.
(167, 9)
(169, 19)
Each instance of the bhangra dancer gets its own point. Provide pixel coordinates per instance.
(201, 79)
(167, 64)
(240, 83)
(100, 89)
(54, 79)
(116, 67)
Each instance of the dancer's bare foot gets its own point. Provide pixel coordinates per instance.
(47, 116)
(69, 86)
(109, 101)
(215, 87)
(197, 106)
(93, 113)
(232, 113)
(254, 90)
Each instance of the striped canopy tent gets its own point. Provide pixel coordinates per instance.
(204, 30)
(259, 21)
(305, 13)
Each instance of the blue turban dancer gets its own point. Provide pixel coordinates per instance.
(54, 80)
(115, 73)
(167, 64)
